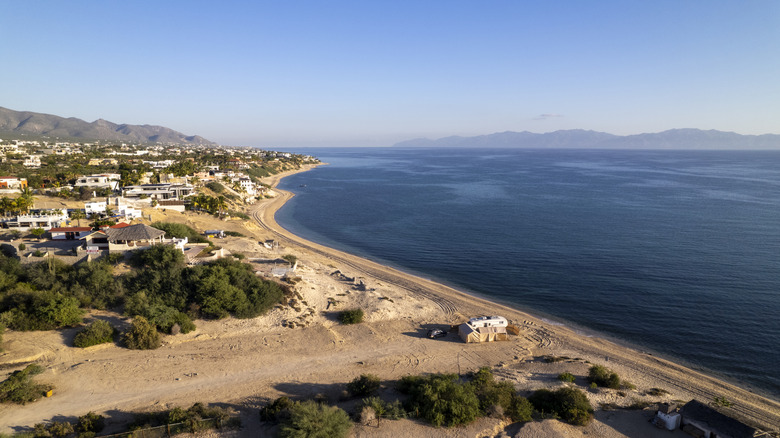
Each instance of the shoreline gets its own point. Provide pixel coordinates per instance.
(668, 368)
(299, 349)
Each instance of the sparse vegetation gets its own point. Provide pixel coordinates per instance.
(142, 335)
(363, 386)
(351, 316)
(291, 259)
(97, 332)
(312, 419)
(20, 388)
(604, 377)
(566, 377)
(383, 409)
(569, 404)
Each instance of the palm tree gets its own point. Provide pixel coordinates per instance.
(221, 205)
(78, 215)
(27, 199)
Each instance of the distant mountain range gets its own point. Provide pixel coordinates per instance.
(26, 122)
(582, 139)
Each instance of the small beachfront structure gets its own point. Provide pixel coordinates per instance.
(484, 329)
(701, 420)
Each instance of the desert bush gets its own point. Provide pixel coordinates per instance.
(91, 422)
(520, 410)
(383, 409)
(234, 234)
(311, 419)
(142, 335)
(60, 429)
(273, 411)
(165, 317)
(291, 259)
(215, 187)
(603, 376)
(22, 247)
(19, 387)
(441, 399)
(351, 316)
(2, 331)
(238, 256)
(566, 377)
(657, 392)
(364, 385)
(97, 332)
(569, 404)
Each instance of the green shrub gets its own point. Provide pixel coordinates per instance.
(272, 411)
(60, 429)
(238, 256)
(520, 410)
(2, 331)
(383, 409)
(91, 422)
(569, 404)
(215, 187)
(290, 258)
(97, 332)
(441, 399)
(142, 335)
(19, 387)
(311, 419)
(239, 214)
(351, 316)
(364, 385)
(234, 234)
(491, 393)
(566, 377)
(603, 376)
(22, 247)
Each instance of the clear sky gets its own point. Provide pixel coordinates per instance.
(371, 73)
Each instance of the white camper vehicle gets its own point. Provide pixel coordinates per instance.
(488, 321)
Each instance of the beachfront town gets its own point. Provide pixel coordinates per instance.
(67, 203)
(114, 182)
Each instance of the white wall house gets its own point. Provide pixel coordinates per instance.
(102, 181)
(159, 192)
(32, 161)
(25, 222)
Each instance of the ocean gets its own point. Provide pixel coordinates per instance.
(673, 252)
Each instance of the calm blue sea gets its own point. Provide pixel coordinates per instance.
(677, 252)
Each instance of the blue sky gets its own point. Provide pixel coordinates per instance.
(332, 73)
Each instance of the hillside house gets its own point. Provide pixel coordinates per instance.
(32, 161)
(12, 184)
(36, 219)
(160, 192)
(102, 181)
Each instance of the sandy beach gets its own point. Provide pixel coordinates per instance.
(302, 351)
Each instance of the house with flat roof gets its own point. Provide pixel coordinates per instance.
(102, 181)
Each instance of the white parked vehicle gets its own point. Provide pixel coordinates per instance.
(488, 321)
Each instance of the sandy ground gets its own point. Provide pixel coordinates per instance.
(241, 364)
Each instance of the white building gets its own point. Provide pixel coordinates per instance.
(32, 161)
(160, 192)
(102, 181)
